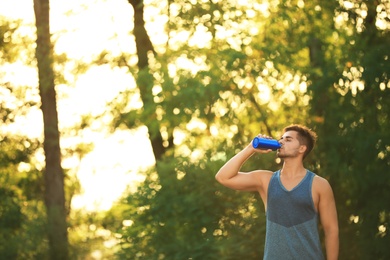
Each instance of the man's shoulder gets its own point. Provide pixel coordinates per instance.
(320, 183)
(319, 179)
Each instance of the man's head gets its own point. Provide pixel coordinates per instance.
(305, 136)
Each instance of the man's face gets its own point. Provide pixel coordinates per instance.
(290, 145)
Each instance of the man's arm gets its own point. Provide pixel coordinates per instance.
(230, 176)
(328, 217)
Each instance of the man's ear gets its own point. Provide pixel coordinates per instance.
(302, 148)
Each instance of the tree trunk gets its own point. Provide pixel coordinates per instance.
(145, 80)
(54, 176)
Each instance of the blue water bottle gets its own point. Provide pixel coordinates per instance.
(264, 143)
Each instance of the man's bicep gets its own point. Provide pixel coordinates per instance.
(327, 206)
(246, 181)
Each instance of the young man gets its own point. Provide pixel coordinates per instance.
(294, 198)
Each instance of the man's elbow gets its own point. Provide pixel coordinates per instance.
(218, 177)
(332, 232)
(222, 178)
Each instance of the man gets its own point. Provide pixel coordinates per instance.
(294, 199)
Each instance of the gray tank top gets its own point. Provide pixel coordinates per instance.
(292, 221)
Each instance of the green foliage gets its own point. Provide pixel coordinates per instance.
(190, 216)
(22, 212)
(355, 139)
(88, 235)
(22, 218)
(9, 40)
(349, 89)
(320, 63)
(10, 222)
(324, 64)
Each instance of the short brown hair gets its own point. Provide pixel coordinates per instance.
(306, 136)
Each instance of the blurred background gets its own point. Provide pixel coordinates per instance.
(153, 97)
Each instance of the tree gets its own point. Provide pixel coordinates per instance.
(14, 150)
(346, 65)
(174, 211)
(54, 176)
(21, 212)
(323, 64)
(359, 132)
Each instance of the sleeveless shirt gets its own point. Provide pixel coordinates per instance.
(292, 221)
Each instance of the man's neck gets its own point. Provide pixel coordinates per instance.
(293, 168)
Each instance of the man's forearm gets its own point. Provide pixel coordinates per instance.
(332, 246)
(232, 167)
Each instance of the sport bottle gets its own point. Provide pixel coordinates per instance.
(264, 143)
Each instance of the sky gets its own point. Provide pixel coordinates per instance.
(117, 158)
